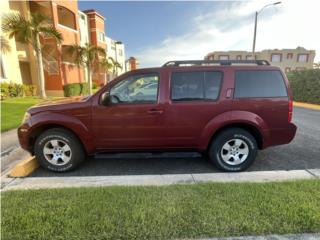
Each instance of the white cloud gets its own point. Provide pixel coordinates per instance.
(287, 25)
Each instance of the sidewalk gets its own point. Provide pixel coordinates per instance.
(156, 180)
(9, 141)
(11, 153)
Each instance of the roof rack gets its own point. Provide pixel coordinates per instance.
(213, 62)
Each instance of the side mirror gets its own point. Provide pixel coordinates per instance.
(106, 99)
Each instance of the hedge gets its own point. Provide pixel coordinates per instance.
(305, 85)
(76, 89)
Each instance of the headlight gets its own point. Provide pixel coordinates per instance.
(26, 117)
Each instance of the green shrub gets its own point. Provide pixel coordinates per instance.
(94, 85)
(84, 88)
(305, 85)
(17, 90)
(72, 89)
(76, 89)
(30, 90)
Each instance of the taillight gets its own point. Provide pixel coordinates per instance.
(290, 110)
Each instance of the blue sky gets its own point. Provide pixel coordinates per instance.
(139, 24)
(159, 31)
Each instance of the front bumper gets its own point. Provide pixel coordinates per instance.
(24, 136)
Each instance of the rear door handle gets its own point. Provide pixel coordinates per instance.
(155, 111)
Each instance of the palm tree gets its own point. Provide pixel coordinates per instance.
(106, 65)
(115, 65)
(316, 65)
(29, 32)
(87, 56)
(4, 44)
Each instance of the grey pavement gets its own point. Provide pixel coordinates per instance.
(306, 236)
(302, 153)
(11, 153)
(9, 141)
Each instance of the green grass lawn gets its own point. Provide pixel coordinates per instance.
(13, 109)
(167, 212)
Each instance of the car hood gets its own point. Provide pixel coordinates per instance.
(59, 103)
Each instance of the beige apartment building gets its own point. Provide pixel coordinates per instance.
(287, 59)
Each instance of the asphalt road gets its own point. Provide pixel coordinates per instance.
(302, 153)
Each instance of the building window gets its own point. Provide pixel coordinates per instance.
(120, 52)
(223, 57)
(66, 18)
(66, 57)
(303, 57)
(276, 57)
(239, 57)
(287, 69)
(249, 57)
(210, 57)
(289, 55)
(101, 36)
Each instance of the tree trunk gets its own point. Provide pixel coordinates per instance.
(90, 80)
(105, 78)
(40, 68)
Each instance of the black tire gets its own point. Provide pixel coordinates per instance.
(63, 137)
(218, 153)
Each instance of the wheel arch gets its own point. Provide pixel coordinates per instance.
(36, 132)
(253, 130)
(248, 121)
(45, 121)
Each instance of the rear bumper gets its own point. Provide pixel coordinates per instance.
(279, 136)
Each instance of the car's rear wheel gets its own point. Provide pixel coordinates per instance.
(59, 150)
(233, 150)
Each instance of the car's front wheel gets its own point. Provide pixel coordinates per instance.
(59, 150)
(233, 150)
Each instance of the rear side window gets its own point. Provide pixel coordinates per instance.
(191, 86)
(259, 84)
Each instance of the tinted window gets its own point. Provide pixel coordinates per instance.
(188, 86)
(259, 84)
(137, 88)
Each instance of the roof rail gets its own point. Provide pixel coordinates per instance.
(213, 62)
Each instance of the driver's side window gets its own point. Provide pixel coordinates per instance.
(136, 89)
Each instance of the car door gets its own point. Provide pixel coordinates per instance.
(134, 118)
(193, 102)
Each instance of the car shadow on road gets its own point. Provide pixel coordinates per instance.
(177, 163)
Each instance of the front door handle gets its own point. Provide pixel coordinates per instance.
(155, 111)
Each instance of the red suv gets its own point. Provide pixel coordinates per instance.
(225, 109)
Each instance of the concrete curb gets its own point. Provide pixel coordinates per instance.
(307, 105)
(156, 180)
(24, 168)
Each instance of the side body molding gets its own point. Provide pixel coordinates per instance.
(228, 119)
(70, 122)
